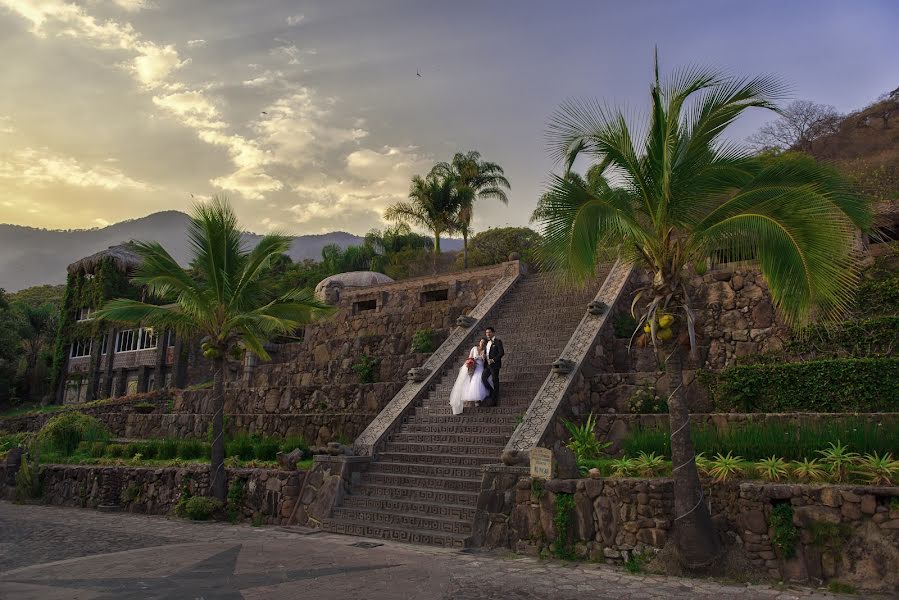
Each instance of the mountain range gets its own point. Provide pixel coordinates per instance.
(30, 256)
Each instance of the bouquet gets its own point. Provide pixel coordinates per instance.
(470, 363)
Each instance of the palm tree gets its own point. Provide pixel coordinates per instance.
(220, 300)
(434, 203)
(483, 179)
(37, 327)
(675, 194)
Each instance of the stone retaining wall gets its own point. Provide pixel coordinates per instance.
(116, 406)
(846, 533)
(270, 494)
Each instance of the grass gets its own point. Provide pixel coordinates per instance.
(32, 409)
(760, 440)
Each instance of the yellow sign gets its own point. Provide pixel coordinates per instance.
(541, 463)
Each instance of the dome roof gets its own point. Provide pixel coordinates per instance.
(353, 279)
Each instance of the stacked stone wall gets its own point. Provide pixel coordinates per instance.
(846, 533)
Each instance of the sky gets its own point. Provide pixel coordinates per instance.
(311, 117)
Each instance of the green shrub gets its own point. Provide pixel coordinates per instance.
(64, 432)
(201, 508)
(116, 450)
(168, 449)
(423, 341)
(241, 447)
(366, 368)
(144, 407)
(836, 385)
(583, 440)
(645, 401)
(288, 444)
(191, 449)
(785, 533)
(624, 326)
(856, 339)
(148, 449)
(97, 449)
(759, 440)
(879, 297)
(28, 481)
(237, 493)
(266, 449)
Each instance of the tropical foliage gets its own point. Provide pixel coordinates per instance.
(672, 193)
(220, 300)
(434, 203)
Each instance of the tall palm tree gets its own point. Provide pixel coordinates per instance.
(675, 193)
(434, 203)
(483, 179)
(220, 301)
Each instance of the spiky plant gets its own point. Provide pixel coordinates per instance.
(725, 466)
(839, 460)
(772, 468)
(648, 465)
(220, 300)
(809, 470)
(672, 193)
(622, 467)
(879, 469)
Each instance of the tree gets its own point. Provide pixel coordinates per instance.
(396, 250)
(675, 196)
(800, 124)
(482, 179)
(9, 350)
(434, 203)
(37, 330)
(493, 246)
(220, 301)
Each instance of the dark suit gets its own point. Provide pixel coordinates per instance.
(495, 354)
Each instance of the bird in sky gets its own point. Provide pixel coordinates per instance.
(265, 113)
(418, 72)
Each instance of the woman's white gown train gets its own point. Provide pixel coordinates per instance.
(469, 387)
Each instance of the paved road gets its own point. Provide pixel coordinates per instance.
(51, 553)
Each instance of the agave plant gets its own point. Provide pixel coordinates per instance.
(703, 464)
(725, 467)
(772, 468)
(879, 470)
(622, 467)
(648, 465)
(583, 440)
(809, 470)
(839, 460)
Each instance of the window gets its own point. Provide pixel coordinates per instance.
(84, 314)
(364, 305)
(81, 348)
(131, 340)
(104, 343)
(435, 296)
(169, 339)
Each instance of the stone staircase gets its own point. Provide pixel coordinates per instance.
(422, 486)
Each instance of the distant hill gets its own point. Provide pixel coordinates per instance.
(30, 256)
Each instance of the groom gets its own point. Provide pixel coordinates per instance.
(494, 364)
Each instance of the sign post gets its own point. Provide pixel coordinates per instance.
(541, 463)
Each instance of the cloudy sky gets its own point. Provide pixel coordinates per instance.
(310, 115)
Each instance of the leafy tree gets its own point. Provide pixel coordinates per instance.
(434, 203)
(396, 250)
(9, 349)
(679, 193)
(800, 123)
(39, 295)
(221, 301)
(37, 330)
(494, 246)
(477, 179)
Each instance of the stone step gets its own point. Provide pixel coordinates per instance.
(466, 419)
(448, 428)
(410, 494)
(402, 520)
(452, 439)
(447, 484)
(427, 509)
(395, 534)
(437, 448)
(420, 458)
(449, 470)
(502, 409)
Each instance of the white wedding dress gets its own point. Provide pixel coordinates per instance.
(469, 387)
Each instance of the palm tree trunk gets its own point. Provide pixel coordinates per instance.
(694, 533)
(218, 479)
(465, 249)
(436, 250)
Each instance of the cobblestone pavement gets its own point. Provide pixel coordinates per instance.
(51, 553)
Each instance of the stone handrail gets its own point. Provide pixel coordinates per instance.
(421, 378)
(540, 414)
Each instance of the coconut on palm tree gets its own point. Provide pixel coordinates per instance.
(672, 193)
(219, 301)
(479, 179)
(434, 204)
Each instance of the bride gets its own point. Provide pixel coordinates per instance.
(469, 386)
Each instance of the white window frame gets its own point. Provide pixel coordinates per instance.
(135, 340)
(84, 345)
(84, 314)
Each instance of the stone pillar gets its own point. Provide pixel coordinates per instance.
(93, 373)
(143, 376)
(107, 390)
(179, 364)
(161, 348)
(121, 382)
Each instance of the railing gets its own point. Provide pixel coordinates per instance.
(539, 417)
(421, 378)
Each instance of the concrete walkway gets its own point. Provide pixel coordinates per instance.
(51, 553)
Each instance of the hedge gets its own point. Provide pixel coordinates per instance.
(836, 385)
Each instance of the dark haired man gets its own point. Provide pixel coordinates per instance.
(490, 377)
